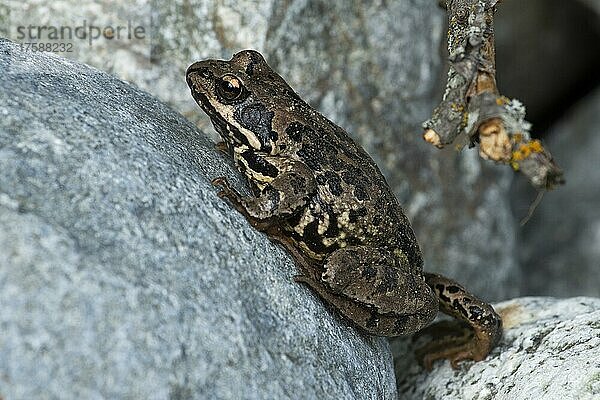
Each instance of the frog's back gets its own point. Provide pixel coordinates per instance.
(353, 204)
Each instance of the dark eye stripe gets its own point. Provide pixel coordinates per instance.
(235, 132)
(259, 164)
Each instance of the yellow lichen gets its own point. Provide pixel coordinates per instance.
(465, 119)
(502, 100)
(517, 137)
(526, 149)
(516, 156)
(536, 146)
(457, 107)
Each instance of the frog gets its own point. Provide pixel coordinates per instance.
(319, 194)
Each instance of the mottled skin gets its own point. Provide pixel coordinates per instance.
(320, 194)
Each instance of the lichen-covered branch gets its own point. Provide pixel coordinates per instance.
(472, 106)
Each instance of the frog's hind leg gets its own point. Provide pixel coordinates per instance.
(452, 341)
(375, 290)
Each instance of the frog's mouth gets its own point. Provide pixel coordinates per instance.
(217, 120)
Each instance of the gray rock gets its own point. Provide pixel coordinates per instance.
(372, 67)
(593, 5)
(542, 59)
(122, 275)
(550, 350)
(560, 246)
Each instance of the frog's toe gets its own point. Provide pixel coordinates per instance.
(226, 189)
(453, 355)
(453, 341)
(222, 147)
(220, 181)
(454, 349)
(304, 279)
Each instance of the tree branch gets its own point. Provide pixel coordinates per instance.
(472, 105)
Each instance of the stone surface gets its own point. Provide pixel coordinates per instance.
(134, 280)
(550, 350)
(372, 67)
(122, 275)
(593, 5)
(543, 59)
(559, 247)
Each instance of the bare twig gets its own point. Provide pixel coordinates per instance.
(472, 105)
(532, 207)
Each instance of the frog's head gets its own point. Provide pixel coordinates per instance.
(241, 97)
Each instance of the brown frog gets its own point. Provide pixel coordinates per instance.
(320, 195)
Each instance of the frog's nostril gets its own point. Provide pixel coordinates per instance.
(205, 72)
(199, 69)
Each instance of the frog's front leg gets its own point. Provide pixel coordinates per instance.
(222, 147)
(283, 195)
(456, 345)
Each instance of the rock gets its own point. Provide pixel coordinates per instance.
(559, 247)
(592, 5)
(542, 59)
(122, 275)
(373, 69)
(550, 350)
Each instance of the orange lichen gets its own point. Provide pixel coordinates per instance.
(536, 146)
(526, 149)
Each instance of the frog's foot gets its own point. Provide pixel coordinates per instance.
(222, 147)
(305, 279)
(472, 344)
(450, 340)
(229, 193)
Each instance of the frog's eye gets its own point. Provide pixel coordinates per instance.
(230, 88)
